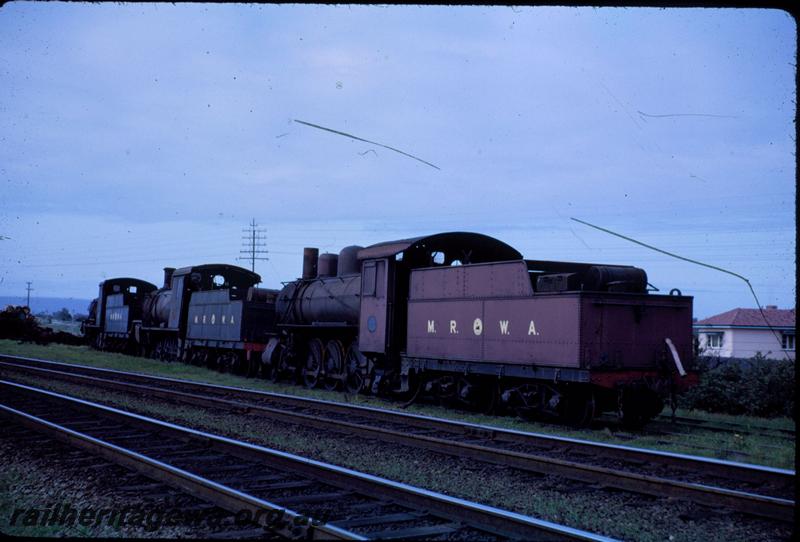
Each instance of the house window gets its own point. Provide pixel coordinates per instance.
(714, 340)
(787, 341)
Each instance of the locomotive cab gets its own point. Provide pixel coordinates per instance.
(209, 314)
(115, 312)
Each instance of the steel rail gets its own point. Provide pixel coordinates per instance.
(718, 467)
(482, 517)
(742, 501)
(292, 524)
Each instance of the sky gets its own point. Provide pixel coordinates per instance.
(139, 136)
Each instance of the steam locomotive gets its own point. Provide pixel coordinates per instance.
(462, 317)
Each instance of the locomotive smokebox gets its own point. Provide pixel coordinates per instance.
(310, 257)
(327, 265)
(168, 271)
(348, 261)
(156, 308)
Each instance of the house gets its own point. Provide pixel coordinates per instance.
(742, 333)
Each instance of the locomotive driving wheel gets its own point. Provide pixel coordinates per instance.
(334, 365)
(284, 360)
(356, 369)
(313, 365)
(287, 361)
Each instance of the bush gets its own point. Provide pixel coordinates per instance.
(63, 315)
(755, 387)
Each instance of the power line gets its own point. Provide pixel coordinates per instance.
(252, 245)
(29, 289)
(716, 268)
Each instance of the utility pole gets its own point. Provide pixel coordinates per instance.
(253, 245)
(29, 289)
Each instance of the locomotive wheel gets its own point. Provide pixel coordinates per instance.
(356, 367)
(334, 365)
(219, 362)
(313, 365)
(161, 350)
(446, 390)
(212, 361)
(489, 396)
(279, 368)
(231, 362)
(166, 350)
(198, 357)
(158, 351)
(270, 367)
(579, 409)
(638, 406)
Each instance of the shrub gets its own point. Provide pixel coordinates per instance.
(63, 314)
(756, 387)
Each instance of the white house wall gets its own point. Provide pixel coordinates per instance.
(748, 342)
(744, 343)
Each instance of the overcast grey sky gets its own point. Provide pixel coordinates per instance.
(138, 136)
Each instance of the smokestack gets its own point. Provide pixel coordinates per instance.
(310, 258)
(168, 277)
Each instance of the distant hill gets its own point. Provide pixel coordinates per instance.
(49, 304)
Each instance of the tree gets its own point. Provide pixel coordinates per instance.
(63, 314)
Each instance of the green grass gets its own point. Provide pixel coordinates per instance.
(751, 448)
(61, 325)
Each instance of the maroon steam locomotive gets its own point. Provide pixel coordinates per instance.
(460, 316)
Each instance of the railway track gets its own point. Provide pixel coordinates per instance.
(127, 503)
(745, 488)
(290, 495)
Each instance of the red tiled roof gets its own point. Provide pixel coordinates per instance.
(752, 317)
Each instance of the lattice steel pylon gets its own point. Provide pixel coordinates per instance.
(254, 245)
